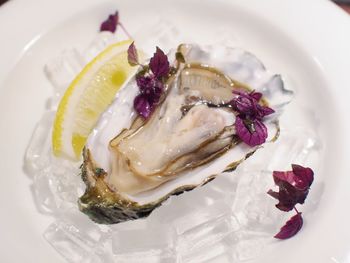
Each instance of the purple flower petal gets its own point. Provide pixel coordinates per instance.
(293, 187)
(263, 111)
(247, 105)
(280, 177)
(244, 105)
(156, 93)
(256, 95)
(159, 64)
(110, 24)
(288, 196)
(133, 57)
(291, 228)
(142, 106)
(285, 202)
(300, 178)
(145, 82)
(253, 133)
(304, 176)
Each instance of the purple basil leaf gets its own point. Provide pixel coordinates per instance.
(133, 57)
(280, 177)
(290, 193)
(247, 105)
(304, 176)
(301, 177)
(145, 82)
(110, 24)
(289, 197)
(159, 64)
(156, 93)
(142, 106)
(253, 134)
(286, 203)
(291, 228)
(244, 105)
(273, 194)
(264, 111)
(256, 95)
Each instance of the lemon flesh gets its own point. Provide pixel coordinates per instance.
(87, 97)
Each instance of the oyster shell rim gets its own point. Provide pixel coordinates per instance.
(118, 208)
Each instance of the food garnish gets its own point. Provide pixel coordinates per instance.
(110, 24)
(291, 228)
(249, 125)
(150, 80)
(293, 187)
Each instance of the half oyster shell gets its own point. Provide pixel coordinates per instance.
(132, 165)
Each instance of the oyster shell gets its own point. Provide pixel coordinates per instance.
(132, 165)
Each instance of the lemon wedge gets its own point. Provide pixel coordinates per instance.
(87, 97)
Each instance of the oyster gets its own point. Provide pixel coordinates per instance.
(131, 165)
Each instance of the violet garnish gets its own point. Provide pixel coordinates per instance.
(249, 126)
(133, 57)
(294, 187)
(159, 64)
(111, 23)
(291, 228)
(150, 80)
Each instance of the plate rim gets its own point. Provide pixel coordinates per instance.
(335, 65)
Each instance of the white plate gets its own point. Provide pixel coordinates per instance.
(306, 41)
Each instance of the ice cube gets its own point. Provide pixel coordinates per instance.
(42, 190)
(166, 36)
(69, 183)
(37, 156)
(249, 245)
(61, 70)
(206, 234)
(197, 206)
(294, 146)
(138, 241)
(66, 239)
(218, 252)
(99, 43)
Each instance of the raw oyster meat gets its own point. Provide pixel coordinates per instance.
(131, 165)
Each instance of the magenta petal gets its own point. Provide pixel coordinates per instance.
(253, 137)
(264, 111)
(242, 131)
(256, 95)
(244, 105)
(273, 194)
(287, 176)
(133, 57)
(159, 64)
(300, 177)
(156, 93)
(142, 106)
(288, 196)
(291, 228)
(110, 24)
(260, 134)
(292, 189)
(304, 176)
(145, 82)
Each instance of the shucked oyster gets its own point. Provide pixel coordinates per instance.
(131, 164)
